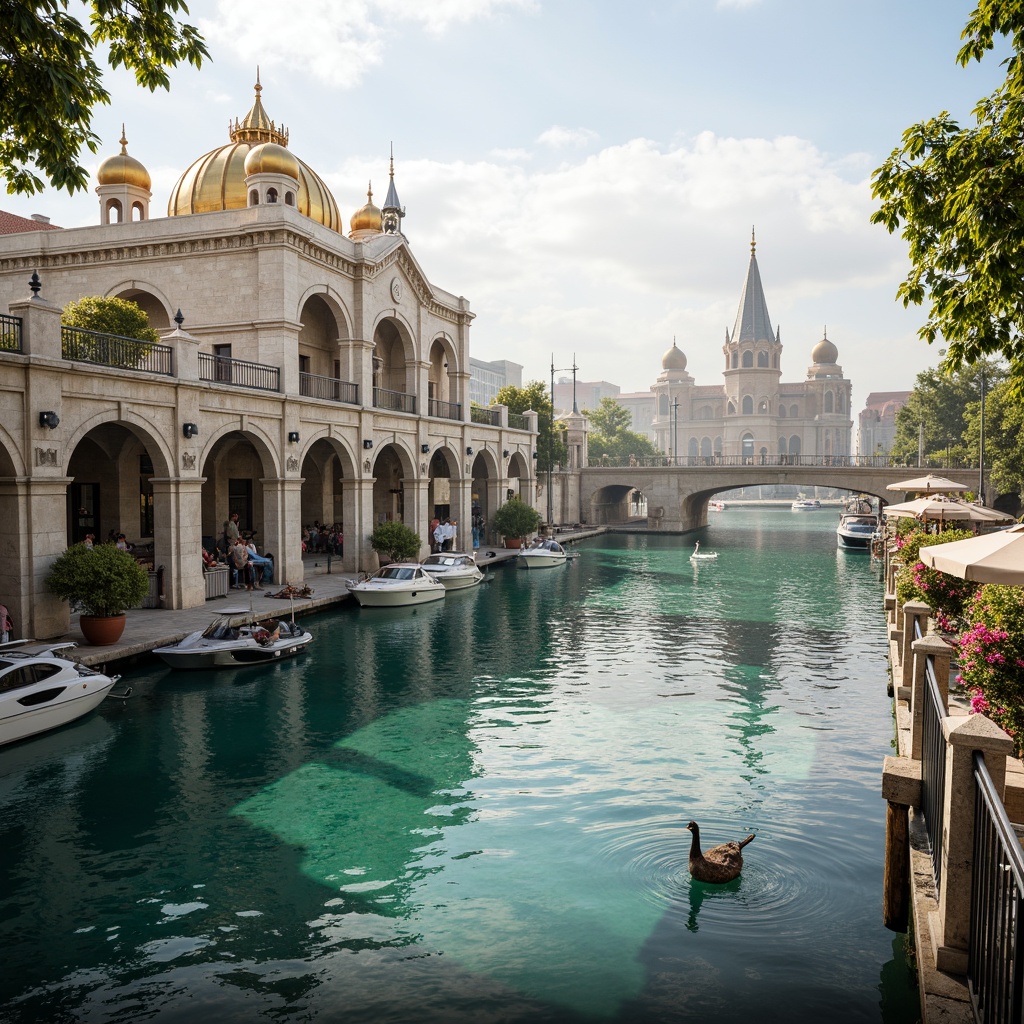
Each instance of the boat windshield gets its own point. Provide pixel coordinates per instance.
(396, 572)
(224, 628)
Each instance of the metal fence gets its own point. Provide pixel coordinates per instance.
(517, 421)
(933, 767)
(328, 388)
(488, 417)
(995, 971)
(239, 372)
(10, 333)
(396, 401)
(85, 346)
(444, 410)
(702, 461)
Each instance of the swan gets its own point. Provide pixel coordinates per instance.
(697, 553)
(720, 864)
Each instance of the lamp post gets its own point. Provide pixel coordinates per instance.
(981, 444)
(675, 431)
(551, 429)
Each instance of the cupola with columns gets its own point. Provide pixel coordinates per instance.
(124, 187)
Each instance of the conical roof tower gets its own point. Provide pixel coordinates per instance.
(752, 320)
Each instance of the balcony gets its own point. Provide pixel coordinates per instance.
(517, 421)
(239, 372)
(444, 410)
(83, 346)
(329, 389)
(10, 333)
(487, 417)
(394, 401)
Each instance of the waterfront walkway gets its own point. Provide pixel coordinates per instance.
(146, 628)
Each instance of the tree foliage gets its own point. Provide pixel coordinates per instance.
(533, 396)
(395, 541)
(50, 82)
(610, 434)
(516, 519)
(109, 315)
(98, 581)
(954, 191)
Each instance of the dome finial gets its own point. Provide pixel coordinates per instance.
(753, 242)
(259, 88)
(124, 141)
(825, 335)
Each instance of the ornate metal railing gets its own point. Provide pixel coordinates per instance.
(328, 388)
(10, 333)
(703, 461)
(84, 346)
(444, 410)
(517, 421)
(396, 401)
(488, 417)
(239, 372)
(995, 965)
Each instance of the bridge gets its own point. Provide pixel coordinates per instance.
(677, 493)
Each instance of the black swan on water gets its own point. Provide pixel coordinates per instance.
(720, 864)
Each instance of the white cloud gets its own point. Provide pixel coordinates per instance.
(558, 137)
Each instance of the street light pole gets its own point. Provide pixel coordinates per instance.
(981, 444)
(551, 429)
(675, 432)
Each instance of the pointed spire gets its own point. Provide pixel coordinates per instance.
(753, 242)
(392, 210)
(124, 141)
(256, 126)
(752, 320)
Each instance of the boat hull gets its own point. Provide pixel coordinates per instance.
(20, 722)
(461, 581)
(394, 597)
(856, 532)
(196, 656)
(540, 560)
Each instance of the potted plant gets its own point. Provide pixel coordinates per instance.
(395, 542)
(516, 520)
(101, 582)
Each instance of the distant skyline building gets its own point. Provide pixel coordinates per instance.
(588, 393)
(876, 423)
(488, 378)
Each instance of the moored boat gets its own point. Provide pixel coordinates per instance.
(806, 505)
(41, 690)
(858, 525)
(455, 569)
(716, 506)
(543, 554)
(235, 639)
(396, 585)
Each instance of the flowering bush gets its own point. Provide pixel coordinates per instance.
(947, 595)
(992, 658)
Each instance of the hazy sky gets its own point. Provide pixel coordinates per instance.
(587, 172)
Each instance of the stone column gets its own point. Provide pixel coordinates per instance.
(938, 649)
(913, 612)
(46, 536)
(281, 532)
(951, 924)
(362, 527)
(40, 327)
(178, 540)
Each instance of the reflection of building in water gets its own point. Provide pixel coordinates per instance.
(306, 372)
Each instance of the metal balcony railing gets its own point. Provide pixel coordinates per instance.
(517, 421)
(239, 372)
(84, 346)
(444, 410)
(395, 401)
(488, 417)
(328, 388)
(10, 333)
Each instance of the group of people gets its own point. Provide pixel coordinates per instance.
(322, 540)
(443, 534)
(249, 569)
(119, 540)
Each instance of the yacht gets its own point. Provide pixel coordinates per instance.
(397, 584)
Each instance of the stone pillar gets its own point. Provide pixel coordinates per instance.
(186, 354)
(938, 649)
(178, 540)
(951, 924)
(912, 613)
(281, 531)
(362, 526)
(40, 327)
(46, 536)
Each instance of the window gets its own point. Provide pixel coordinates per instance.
(271, 195)
(748, 405)
(222, 359)
(254, 198)
(828, 401)
(145, 495)
(748, 360)
(240, 501)
(762, 359)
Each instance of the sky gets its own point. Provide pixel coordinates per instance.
(588, 172)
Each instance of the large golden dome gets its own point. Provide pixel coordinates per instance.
(122, 169)
(216, 181)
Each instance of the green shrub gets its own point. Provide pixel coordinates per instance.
(98, 581)
(395, 542)
(516, 519)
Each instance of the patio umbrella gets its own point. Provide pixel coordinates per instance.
(929, 484)
(991, 558)
(930, 508)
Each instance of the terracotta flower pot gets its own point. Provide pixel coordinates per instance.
(513, 542)
(101, 630)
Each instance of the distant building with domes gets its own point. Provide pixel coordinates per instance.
(753, 414)
(304, 375)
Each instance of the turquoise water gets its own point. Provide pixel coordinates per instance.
(476, 811)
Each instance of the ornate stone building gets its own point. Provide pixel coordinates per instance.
(753, 415)
(302, 375)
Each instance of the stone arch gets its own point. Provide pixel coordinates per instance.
(150, 299)
(12, 458)
(320, 341)
(794, 445)
(394, 354)
(518, 473)
(707, 450)
(747, 447)
(762, 359)
(748, 360)
(138, 211)
(828, 401)
(442, 367)
(748, 405)
(612, 503)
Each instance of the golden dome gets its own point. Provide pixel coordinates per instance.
(122, 169)
(270, 158)
(673, 359)
(216, 181)
(824, 353)
(366, 218)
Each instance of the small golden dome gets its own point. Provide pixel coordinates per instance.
(270, 158)
(824, 353)
(122, 169)
(673, 359)
(368, 217)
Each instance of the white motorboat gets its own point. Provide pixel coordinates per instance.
(42, 690)
(806, 505)
(542, 554)
(234, 639)
(699, 556)
(716, 506)
(856, 530)
(454, 569)
(401, 583)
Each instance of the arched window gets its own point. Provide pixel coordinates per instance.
(289, 199)
(138, 211)
(782, 412)
(663, 405)
(691, 448)
(735, 360)
(794, 411)
(748, 360)
(271, 195)
(763, 407)
(254, 198)
(782, 446)
(732, 409)
(748, 405)
(794, 445)
(113, 211)
(748, 447)
(762, 359)
(828, 401)
(718, 445)
(705, 447)
(840, 402)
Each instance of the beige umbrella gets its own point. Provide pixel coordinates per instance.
(929, 484)
(929, 508)
(991, 558)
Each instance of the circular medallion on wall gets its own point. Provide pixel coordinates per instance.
(396, 289)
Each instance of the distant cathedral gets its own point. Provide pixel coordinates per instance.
(753, 414)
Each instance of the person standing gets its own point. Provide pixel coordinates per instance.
(438, 535)
(231, 531)
(6, 625)
(434, 524)
(240, 560)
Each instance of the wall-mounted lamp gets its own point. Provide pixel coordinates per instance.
(505, 453)
(49, 419)
(189, 429)
(469, 451)
(293, 436)
(367, 443)
(424, 448)
(535, 455)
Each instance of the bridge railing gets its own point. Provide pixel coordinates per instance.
(704, 461)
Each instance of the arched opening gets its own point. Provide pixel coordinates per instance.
(113, 213)
(389, 498)
(793, 411)
(762, 359)
(271, 195)
(254, 197)
(440, 374)
(782, 412)
(150, 305)
(706, 449)
(794, 445)
(138, 212)
(328, 500)
(289, 199)
(747, 448)
(762, 407)
(828, 401)
(748, 405)
(390, 368)
(439, 490)
(318, 349)
(748, 360)
(735, 360)
(483, 497)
